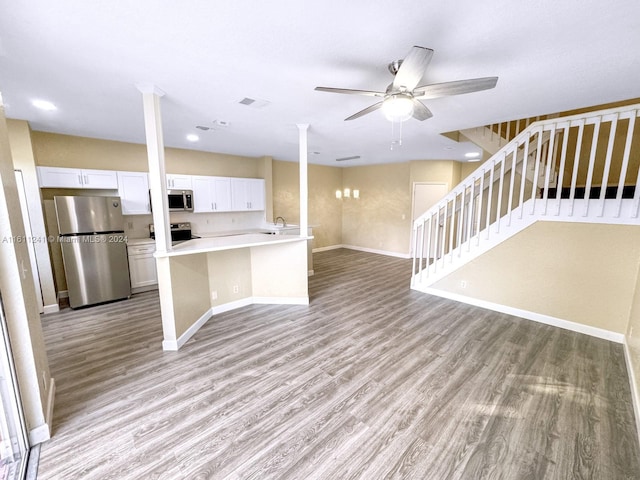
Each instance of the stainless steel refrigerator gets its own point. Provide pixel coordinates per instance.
(94, 249)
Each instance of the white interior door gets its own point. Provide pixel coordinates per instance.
(30, 245)
(426, 195)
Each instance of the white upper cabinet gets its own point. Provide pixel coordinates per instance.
(247, 194)
(57, 177)
(211, 194)
(179, 182)
(133, 188)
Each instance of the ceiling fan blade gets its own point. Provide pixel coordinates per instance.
(436, 90)
(348, 91)
(361, 113)
(412, 68)
(420, 112)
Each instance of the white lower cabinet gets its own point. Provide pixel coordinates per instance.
(142, 267)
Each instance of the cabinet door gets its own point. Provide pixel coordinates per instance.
(133, 188)
(221, 194)
(203, 200)
(56, 177)
(107, 179)
(142, 269)
(255, 189)
(179, 182)
(239, 195)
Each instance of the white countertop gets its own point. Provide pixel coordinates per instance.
(228, 242)
(140, 241)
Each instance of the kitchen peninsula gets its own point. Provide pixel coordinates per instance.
(213, 275)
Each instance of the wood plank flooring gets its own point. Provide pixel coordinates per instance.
(370, 381)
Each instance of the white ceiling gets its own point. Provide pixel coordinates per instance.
(86, 56)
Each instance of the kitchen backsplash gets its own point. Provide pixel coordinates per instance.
(137, 226)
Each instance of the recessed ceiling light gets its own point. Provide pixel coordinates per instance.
(192, 137)
(44, 105)
(472, 154)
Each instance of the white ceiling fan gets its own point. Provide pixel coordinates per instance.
(400, 100)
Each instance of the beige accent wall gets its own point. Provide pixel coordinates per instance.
(190, 286)
(280, 271)
(584, 273)
(226, 270)
(325, 210)
(381, 218)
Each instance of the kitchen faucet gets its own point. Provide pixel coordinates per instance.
(284, 223)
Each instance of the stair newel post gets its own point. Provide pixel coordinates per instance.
(534, 192)
(563, 157)
(576, 164)
(523, 179)
(636, 197)
(607, 162)
(414, 271)
(625, 161)
(550, 151)
(592, 161)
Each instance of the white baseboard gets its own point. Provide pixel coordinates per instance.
(536, 317)
(281, 300)
(324, 249)
(379, 252)
(53, 308)
(42, 433)
(633, 384)
(174, 345)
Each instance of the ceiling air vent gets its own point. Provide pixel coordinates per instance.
(344, 159)
(254, 102)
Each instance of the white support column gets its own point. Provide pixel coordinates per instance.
(304, 184)
(155, 152)
(158, 186)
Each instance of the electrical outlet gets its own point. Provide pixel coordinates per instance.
(130, 225)
(235, 289)
(214, 295)
(463, 284)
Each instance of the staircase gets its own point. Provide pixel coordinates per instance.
(581, 168)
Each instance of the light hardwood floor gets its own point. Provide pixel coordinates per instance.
(370, 381)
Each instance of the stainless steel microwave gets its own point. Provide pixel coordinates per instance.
(180, 200)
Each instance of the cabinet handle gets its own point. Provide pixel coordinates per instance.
(80, 179)
(215, 206)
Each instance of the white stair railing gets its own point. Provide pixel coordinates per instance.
(583, 167)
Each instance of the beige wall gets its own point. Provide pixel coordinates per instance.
(190, 286)
(19, 300)
(633, 340)
(55, 150)
(325, 210)
(23, 160)
(381, 218)
(585, 273)
(227, 269)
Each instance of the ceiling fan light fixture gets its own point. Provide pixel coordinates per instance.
(398, 108)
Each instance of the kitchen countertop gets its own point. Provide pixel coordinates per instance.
(228, 242)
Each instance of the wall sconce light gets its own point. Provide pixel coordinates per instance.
(348, 193)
